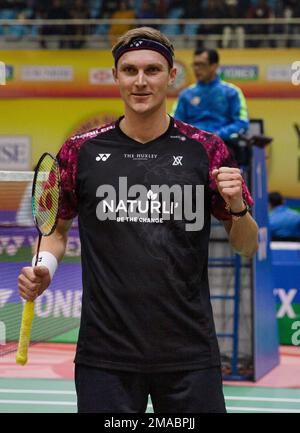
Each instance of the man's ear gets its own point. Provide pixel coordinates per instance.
(216, 67)
(115, 74)
(172, 76)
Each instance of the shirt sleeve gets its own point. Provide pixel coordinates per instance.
(220, 156)
(67, 160)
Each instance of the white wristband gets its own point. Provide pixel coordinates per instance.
(46, 259)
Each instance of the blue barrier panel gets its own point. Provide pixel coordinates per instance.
(265, 332)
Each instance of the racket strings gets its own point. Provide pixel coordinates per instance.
(45, 198)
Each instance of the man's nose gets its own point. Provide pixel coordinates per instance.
(140, 79)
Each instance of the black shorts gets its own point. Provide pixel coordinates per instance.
(102, 390)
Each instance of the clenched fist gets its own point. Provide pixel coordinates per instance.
(33, 281)
(229, 182)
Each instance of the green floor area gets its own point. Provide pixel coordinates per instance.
(48, 395)
(37, 396)
(259, 399)
(67, 337)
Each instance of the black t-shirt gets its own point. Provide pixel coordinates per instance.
(144, 221)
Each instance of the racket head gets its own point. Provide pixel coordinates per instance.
(46, 194)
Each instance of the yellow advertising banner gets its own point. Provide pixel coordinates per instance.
(50, 95)
(87, 73)
(49, 122)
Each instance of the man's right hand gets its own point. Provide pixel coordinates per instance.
(32, 282)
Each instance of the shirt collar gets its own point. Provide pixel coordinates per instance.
(210, 83)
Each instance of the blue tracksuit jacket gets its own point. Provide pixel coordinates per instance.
(217, 107)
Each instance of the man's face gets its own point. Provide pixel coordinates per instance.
(143, 77)
(203, 70)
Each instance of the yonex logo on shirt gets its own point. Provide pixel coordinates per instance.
(102, 156)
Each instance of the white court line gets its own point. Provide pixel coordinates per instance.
(251, 409)
(262, 409)
(62, 392)
(149, 406)
(35, 391)
(69, 403)
(282, 400)
(39, 402)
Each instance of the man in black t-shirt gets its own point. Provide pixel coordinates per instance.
(144, 188)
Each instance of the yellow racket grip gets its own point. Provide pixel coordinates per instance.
(24, 339)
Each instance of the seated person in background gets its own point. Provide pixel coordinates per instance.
(284, 222)
(147, 10)
(79, 11)
(260, 10)
(233, 35)
(124, 11)
(212, 9)
(57, 11)
(212, 104)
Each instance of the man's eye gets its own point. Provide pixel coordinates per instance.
(129, 70)
(153, 70)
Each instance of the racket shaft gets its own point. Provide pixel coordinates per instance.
(27, 318)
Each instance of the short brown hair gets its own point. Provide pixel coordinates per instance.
(144, 33)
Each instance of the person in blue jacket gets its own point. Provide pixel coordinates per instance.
(212, 104)
(284, 222)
